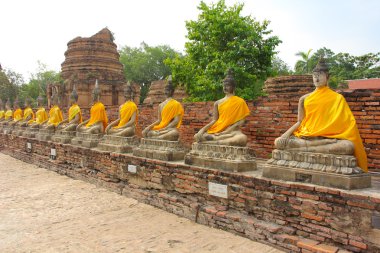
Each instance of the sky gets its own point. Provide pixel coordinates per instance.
(39, 30)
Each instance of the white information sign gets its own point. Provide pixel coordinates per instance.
(218, 190)
(53, 152)
(132, 168)
(29, 145)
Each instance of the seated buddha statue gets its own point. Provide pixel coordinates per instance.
(17, 114)
(28, 114)
(229, 115)
(325, 123)
(2, 110)
(55, 114)
(125, 125)
(98, 116)
(41, 115)
(170, 113)
(75, 115)
(8, 115)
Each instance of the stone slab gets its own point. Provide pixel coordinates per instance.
(347, 182)
(86, 140)
(30, 132)
(160, 149)
(221, 164)
(118, 144)
(45, 134)
(64, 137)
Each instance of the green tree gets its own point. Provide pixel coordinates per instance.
(146, 64)
(303, 66)
(280, 68)
(222, 38)
(10, 82)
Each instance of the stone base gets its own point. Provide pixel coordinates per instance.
(64, 137)
(347, 182)
(7, 129)
(118, 144)
(30, 132)
(160, 150)
(339, 164)
(18, 130)
(227, 158)
(86, 140)
(45, 134)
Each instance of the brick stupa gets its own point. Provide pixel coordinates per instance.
(88, 59)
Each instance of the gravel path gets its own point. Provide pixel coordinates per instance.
(41, 211)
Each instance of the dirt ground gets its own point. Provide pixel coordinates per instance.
(41, 211)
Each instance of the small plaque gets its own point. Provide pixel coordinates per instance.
(53, 152)
(29, 145)
(218, 190)
(132, 168)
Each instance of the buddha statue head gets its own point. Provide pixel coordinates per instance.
(128, 92)
(54, 96)
(96, 92)
(40, 101)
(27, 102)
(169, 88)
(74, 95)
(321, 73)
(229, 83)
(8, 104)
(16, 104)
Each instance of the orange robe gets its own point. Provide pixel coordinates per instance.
(172, 109)
(41, 116)
(27, 112)
(8, 114)
(2, 114)
(126, 112)
(17, 115)
(55, 116)
(327, 114)
(73, 111)
(230, 111)
(98, 113)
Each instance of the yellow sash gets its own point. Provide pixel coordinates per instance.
(98, 113)
(55, 116)
(2, 114)
(126, 112)
(41, 116)
(17, 115)
(8, 114)
(230, 111)
(172, 109)
(73, 111)
(327, 114)
(27, 112)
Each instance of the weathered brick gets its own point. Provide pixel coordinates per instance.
(357, 244)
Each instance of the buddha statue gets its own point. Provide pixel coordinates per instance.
(125, 125)
(17, 114)
(8, 115)
(170, 113)
(98, 116)
(41, 115)
(2, 111)
(229, 115)
(325, 123)
(28, 114)
(75, 115)
(55, 113)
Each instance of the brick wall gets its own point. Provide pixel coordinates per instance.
(293, 216)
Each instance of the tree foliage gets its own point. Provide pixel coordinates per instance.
(146, 64)
(344, 66)
(10, 82)
(303, 65)
(222, 38)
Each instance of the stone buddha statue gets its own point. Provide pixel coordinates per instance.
(98, 116)
(55, 113)
(41, 114)
(28, 114)
(8, 115)
(2, 110)
(170, 113)
(325, 123)
(17, 114)
(229, 115)
(75, 115)
(126, 123)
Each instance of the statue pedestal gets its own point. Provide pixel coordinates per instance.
(160, 149)
(338, 171)
(45, 134)
(87, 140)
(7, 129)
(227, 158)
(64, 137)
(30, 132)
(118, 144)
(18, 130)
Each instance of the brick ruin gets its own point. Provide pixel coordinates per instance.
(88, 59)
